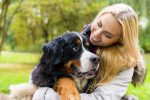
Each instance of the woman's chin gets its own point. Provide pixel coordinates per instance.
(94, 42)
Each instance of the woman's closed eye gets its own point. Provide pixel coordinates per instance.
(108, 35)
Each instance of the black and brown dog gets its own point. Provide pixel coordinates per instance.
(65, 59)
(65, 66)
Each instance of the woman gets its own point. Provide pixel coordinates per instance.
(113, 35)
(114, 32)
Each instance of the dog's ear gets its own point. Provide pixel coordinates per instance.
(47, 57)
(59, 50)
(52, 54)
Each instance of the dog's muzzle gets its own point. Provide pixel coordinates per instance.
(89, 74)
(95, 61)
(78, 73)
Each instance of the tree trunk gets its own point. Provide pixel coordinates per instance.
(45, 34)
(3, 31)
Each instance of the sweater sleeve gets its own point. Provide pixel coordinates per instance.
(113, 90)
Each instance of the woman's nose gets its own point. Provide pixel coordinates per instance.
(97, 32)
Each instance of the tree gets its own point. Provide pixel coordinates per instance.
(5, 4)
(4, 21)
(41, 21)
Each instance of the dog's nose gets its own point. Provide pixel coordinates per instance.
(95, 60)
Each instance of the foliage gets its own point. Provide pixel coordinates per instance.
(37, 22)
(145, 38)
(30, 23)
(3, 14)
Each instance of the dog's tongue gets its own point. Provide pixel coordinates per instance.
(78, 73)
(90, 73)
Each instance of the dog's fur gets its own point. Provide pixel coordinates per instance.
(65, 57)
(65, 60)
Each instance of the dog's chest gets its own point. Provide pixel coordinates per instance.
(80, 83)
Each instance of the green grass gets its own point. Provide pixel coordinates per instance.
(15, 67)
(19, 57)
(9, 76)
(22, 64)
(143, 91)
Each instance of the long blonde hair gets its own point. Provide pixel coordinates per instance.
(119, 57)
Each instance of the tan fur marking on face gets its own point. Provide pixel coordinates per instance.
(78, 41)
(67, 66)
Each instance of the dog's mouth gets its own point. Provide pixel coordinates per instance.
(78, 73)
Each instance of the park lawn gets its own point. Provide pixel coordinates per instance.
(143, 92)
(19, 72)
(10, 76)
(15, 67)
(19, 57)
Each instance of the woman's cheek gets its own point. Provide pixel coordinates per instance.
(91, 40)
(104, 42)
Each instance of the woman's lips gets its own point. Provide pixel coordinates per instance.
(94, 40)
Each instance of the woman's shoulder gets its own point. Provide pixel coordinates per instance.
(121, 80)
(118, 86)
(125, 74)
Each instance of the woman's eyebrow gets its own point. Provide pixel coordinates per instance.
(107, 30)
(100, 22)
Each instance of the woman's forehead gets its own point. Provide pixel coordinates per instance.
(110, 24)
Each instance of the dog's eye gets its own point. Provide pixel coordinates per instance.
(76, 48)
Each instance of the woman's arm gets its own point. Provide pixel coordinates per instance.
(45, 93)
(113, 90)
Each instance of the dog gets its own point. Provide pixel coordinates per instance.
(65, 60)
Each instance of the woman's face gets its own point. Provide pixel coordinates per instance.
(105, 30)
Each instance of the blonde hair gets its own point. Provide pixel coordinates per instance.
(119, 57)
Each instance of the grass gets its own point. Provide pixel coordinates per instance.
(16, 67)
(143, 92)
(19, 58)
(9, 76)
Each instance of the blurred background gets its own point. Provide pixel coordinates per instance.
(26, 24)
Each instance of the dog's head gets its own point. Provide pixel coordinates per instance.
(67, 53)
(64, 56)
